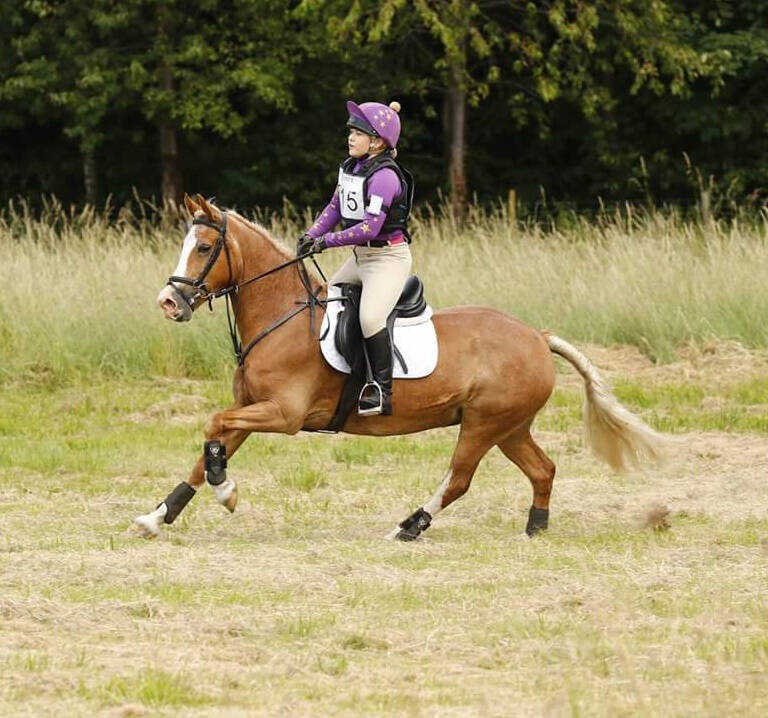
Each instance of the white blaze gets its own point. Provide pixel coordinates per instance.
(189, 244)
(181, 268)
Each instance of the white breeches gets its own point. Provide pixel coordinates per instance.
(382, 271)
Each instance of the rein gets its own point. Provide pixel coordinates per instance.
(202, 292)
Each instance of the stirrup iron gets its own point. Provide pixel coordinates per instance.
(372, 393)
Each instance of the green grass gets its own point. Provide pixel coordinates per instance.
(294, 604)
(152, 687)
(676, 407)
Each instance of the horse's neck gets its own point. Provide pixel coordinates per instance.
(265, 300)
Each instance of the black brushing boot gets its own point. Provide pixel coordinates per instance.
(417, 522)
(538, 520)
(373, 401)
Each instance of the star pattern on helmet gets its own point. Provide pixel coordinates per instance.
(366, 228)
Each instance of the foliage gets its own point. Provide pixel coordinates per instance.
(580, 99)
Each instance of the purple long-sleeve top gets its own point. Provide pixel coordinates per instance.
(383, 183)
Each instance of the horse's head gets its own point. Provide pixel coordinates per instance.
(205, 264)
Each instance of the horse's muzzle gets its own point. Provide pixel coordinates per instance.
(174, 304)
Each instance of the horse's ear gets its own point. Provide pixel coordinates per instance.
(203, 205)
(190, 204)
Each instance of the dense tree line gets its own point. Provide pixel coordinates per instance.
(244, 99)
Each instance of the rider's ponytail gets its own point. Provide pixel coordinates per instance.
(394, 105)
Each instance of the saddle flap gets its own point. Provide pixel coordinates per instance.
(348, 335)
(414, 339)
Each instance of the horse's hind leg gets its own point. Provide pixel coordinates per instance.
(470, 449)
(539, 468)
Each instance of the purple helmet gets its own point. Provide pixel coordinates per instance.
(376, 119)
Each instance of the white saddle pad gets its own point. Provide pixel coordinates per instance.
(415, 338)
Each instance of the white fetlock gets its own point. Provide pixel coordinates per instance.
(226, 494)
(392, 535)
(148, 525)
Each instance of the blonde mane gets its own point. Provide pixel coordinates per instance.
(259, 229)
(282, 249)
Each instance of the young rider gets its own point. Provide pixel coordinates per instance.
(372, 200)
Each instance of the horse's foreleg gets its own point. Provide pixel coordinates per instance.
(212, 465)
(224, 432)
(470, 449)
(539, 469)
(148, 525)
(264, 416)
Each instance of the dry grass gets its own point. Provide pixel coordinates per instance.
(646, 597)
(656, 517)
(294, 604)
(78, 289)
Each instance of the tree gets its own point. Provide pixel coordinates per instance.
(209, 65)
(59, 65)
(180, 64)
(540, 51)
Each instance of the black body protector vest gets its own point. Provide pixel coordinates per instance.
(354, 198)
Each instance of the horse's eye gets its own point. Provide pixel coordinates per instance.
(203, 248)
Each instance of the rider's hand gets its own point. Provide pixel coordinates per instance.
(307, 245)
(304, 245)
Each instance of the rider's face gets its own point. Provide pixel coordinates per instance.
(358, 142)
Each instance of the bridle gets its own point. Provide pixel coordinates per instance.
(202, 291)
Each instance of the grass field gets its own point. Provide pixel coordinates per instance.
(646, 597)
(78, 290)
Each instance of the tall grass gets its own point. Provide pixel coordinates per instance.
(78, 287)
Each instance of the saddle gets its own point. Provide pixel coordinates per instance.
(348, 338)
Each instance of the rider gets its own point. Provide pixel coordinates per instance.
(372, 200)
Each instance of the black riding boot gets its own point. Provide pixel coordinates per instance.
(380, 356)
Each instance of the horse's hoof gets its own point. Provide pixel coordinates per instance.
(392, 535)
(226, 494)
(538, 521)
(231, 502)
(146, 526)
(398, 534)
(403, 535)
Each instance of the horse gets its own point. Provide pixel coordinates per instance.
(493, 374)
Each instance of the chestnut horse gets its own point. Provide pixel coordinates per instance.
(493, 375)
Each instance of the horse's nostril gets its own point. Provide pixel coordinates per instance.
(169, 304)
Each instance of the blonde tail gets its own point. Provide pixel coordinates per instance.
(614, 433)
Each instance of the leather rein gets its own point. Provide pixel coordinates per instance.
(232, 288)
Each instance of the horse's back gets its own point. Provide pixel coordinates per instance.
(492, 370)
(485, 327)
(494, 349)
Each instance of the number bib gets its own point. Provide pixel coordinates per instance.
(351, 199)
